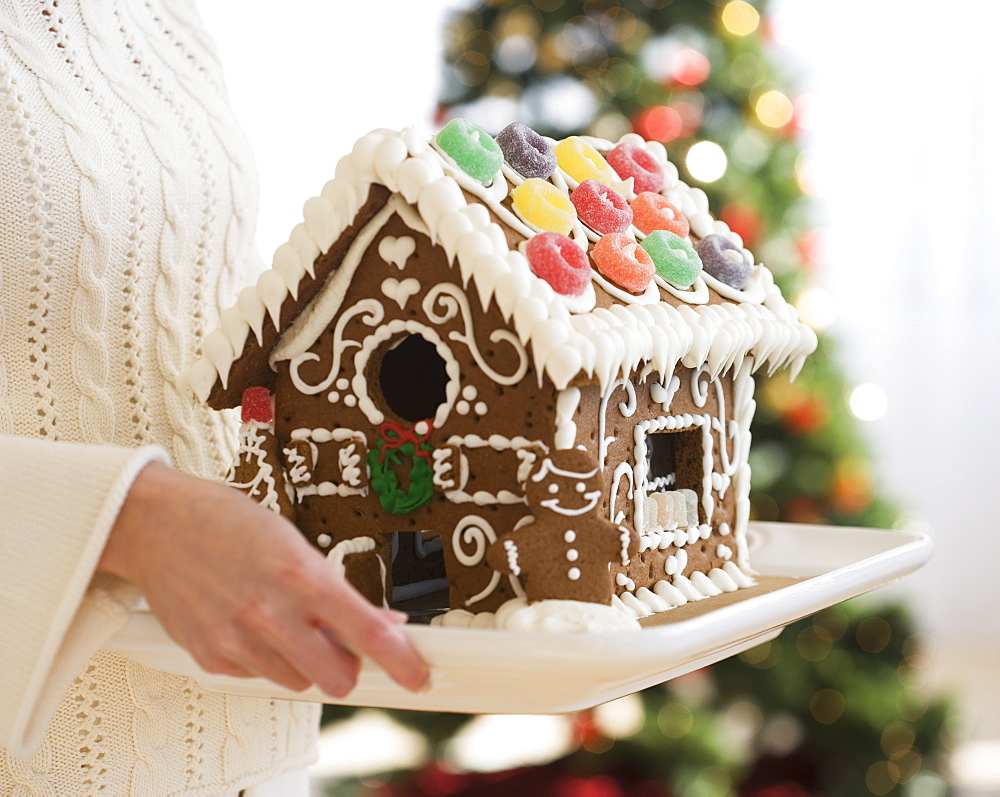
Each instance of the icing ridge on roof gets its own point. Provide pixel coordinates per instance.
(568, 336)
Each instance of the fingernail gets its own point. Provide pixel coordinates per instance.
(396, 616)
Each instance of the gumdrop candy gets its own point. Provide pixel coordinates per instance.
(631, 160)
(472, 148)
(623, 261)
(652, 211)
(724, 260)
(582, 162)
(559, 261)
(527, 152)
(675, 259)
(601, 208)
(256, 405)
(540, 203)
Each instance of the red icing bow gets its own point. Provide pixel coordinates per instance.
(395, 435)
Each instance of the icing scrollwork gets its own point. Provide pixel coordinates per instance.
(444, 302)
(370, 312)
(470, 541)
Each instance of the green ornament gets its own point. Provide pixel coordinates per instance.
(385, 483)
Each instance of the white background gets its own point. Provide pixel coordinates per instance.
(904, 153)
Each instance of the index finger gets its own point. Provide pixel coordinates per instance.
(376, 633)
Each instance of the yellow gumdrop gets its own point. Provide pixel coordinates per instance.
(582, 162)
(540, 203)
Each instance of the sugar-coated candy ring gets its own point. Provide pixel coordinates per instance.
(472, 148)
(623, 261)
(652, 211)
(540, 203)
(559, 261)
(724, 260)
(631, 160)
(674, 258)
(582, 162)
(600, 207)
(527, 152)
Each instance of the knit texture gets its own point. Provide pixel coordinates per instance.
(127, 203)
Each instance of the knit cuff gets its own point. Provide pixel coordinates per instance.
(60, 502)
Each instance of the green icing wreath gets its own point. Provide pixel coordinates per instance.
(383, 478)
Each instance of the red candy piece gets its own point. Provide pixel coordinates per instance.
(623, 261)
(631, 160)
(256, 405)
(600, 207)
(653, 212)
(559, 260)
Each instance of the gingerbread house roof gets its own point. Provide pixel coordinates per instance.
(708, 323)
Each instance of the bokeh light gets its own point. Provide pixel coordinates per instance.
(827, 706)
(659, 123)
(706, 161)
(817, 308)
(869, 402)
(740, 18)
(774, 109)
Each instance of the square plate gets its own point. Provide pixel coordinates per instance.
(504, 672)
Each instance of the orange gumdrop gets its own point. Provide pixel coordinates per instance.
(652, 211)
(619, 258)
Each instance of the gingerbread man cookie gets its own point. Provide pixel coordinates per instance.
(565, 551)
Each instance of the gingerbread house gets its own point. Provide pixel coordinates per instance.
(446, 413)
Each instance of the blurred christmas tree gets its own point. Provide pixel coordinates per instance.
(832, 706)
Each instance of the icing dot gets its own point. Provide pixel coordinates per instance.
(724, 529)
(333, 396)
(570, 536)
(421, 427)
(342, 384)
(527, 152)
(469, 392)
(462, 408)
(553, 489)
(324, 540)
(472, 148)
(572, 554)
(573, 573)
(481, 408)
(581, 486)
(674, 258)
(623, 261)
(351, 401)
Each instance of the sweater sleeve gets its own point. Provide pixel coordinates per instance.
(59, 501)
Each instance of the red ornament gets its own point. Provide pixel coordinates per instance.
(692, 69)
(256, 405)
(743, 219)
(659, 123)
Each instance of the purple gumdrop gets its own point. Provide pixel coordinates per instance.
(527, 152)
(724, 260)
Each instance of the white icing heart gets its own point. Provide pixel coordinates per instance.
(396, 250)
(400, 291)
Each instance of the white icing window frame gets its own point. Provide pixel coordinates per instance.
(345, 488)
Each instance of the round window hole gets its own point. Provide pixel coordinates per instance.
(413, 378)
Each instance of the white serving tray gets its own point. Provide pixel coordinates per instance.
(504, 672)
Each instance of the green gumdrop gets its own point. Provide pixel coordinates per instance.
(472, 148)
(673, 257)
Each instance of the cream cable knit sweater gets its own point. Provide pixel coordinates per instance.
(126, 220)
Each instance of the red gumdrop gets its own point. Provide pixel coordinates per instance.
(624, 262)
(652, 211)
(600, 207)
(256, 405)
(631, 160)
(559, 260)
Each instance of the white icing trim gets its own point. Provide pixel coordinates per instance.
(427, 192)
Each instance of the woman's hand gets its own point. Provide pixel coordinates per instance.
(242, 590)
